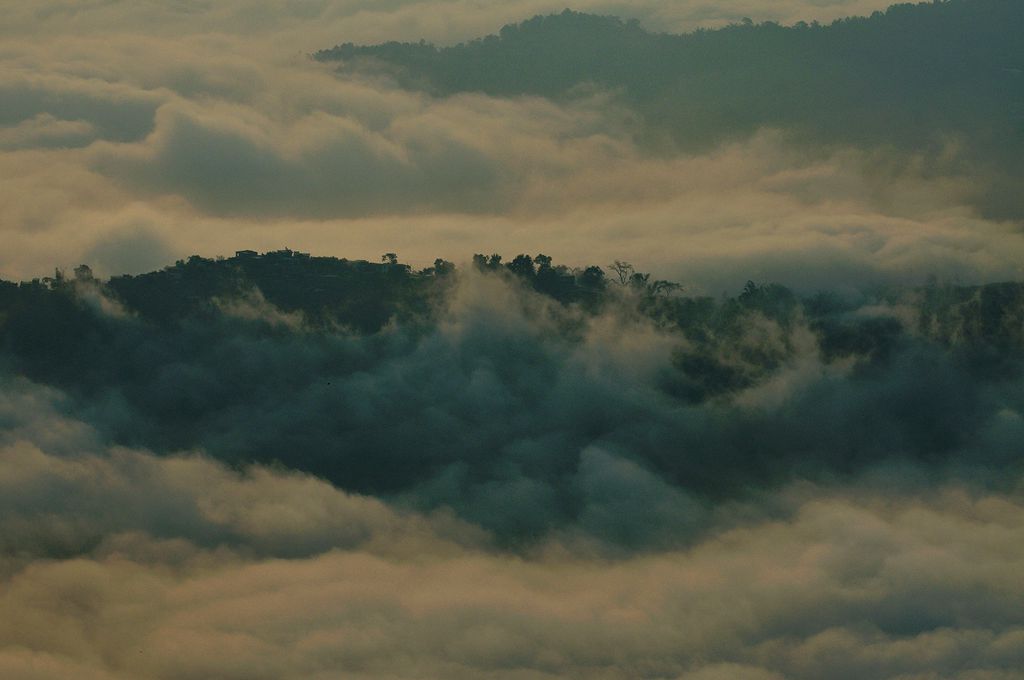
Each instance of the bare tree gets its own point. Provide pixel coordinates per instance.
(623, 270)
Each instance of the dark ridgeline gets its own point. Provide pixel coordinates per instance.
(358, 294)
(916, 77)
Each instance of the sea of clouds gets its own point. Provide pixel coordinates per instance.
(489, 499)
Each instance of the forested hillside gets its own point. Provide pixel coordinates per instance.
(433, 385)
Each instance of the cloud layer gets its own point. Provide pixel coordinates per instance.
(129, 146)
(176, 567)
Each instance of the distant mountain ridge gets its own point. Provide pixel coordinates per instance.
(915, 77)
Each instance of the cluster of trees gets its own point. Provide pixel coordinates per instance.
(587, 285)
(358, 294)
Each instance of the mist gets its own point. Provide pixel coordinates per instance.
(432, 338)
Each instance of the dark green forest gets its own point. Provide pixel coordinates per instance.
(918, 77)
(384, 380)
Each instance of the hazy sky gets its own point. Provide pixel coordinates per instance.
(136, 133)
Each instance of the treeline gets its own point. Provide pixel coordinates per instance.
(49, 318)
(328, 291)
(363, 296)
(913, 77)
